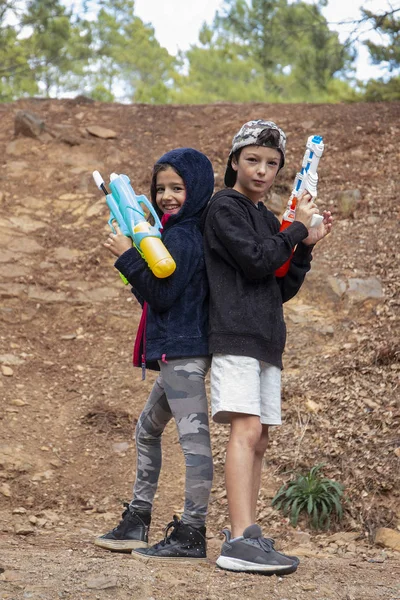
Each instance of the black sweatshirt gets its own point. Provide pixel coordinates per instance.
(243, 249)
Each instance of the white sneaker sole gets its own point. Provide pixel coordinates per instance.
(236, 564)
(120, 545)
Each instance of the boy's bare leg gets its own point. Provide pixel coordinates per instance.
(258, 460)
(246, 431)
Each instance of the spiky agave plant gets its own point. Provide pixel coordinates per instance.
(313, 494)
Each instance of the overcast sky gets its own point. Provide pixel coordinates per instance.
(177, 22)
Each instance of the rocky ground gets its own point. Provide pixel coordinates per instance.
(70, 398)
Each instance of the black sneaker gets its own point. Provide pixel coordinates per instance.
(185, 543)
(132, 532)
(254, 554)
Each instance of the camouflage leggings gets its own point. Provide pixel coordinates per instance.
(178, 392)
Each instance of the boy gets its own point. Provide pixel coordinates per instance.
(243, 249)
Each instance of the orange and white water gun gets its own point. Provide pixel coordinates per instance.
(306, 180)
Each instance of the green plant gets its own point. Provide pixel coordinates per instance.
(313, 494)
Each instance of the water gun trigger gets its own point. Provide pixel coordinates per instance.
(143, 200)
(111, 222)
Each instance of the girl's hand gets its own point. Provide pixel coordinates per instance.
(117, 243)
(315, 234)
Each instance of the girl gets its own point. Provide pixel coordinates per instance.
(172, 338)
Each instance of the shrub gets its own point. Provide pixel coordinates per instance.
(313, 494)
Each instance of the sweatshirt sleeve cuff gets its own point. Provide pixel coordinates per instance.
(303, 253)
(296, 232)
(128, 261)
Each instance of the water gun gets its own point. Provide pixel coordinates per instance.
(126, 209)
(306, 179)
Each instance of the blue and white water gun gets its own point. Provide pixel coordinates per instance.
(126, 209)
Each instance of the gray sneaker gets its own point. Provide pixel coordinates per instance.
(254, 554)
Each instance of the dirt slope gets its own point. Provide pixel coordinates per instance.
(69, 396)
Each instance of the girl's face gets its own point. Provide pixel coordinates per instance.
(170, 191)
(256, 170)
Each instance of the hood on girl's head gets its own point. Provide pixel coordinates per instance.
(196, 171)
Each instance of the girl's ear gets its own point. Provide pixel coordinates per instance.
(234, 163)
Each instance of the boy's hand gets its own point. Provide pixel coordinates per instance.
(305, 209)
(315, 234)
(118, 243)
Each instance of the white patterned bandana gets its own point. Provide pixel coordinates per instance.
(248, 135)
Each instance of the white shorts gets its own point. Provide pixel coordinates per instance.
(240, 384)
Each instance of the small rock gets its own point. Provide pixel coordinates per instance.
(120, 447)
(18, 402)
(41, 522)
(359, 290)
(301, 537)
(5, 490)
(63, 253)
(390, 538)
(351, 548)
(337, 286)
(28, 124)
(23, 530)
(380, 559)
(101, 132)
(346, 536)
(309, 587)
(70, 138)
(96, 209)
(11, 359)
(42, 476)
(102, 583)
(68, 197)
(19, 511)
(7, 371)
(8, 575)
(50, 516)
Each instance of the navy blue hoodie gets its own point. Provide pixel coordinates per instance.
(177, 306)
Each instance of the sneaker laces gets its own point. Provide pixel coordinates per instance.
(174, 525)
(266, 544)
(126, 511)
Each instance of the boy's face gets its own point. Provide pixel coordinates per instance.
(256, 170)
(170, 191)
